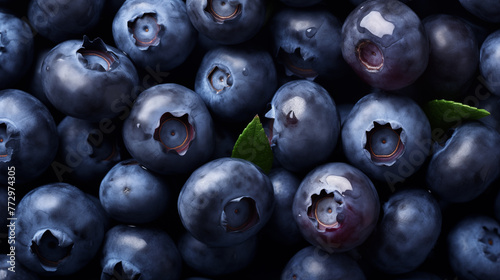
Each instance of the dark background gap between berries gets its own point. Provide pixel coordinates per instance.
(273, 257)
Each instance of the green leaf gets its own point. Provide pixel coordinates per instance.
(445, 114)
(253, 145)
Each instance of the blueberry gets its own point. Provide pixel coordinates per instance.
(216, 261)
(63, 20)
(87, 151)
(28, 136)
(10, 270)
(313, 263)
(169, 130)
(131, 194)
(474, 248)
(236, 83)
(398, 244)
(279, 228)
(492, 105)
(467, 163)
(226, 201)
(89, 79)
(16, 49)
(35, 86)
(227, 22)
(305, 125)
(306, 41)
(336, 207)
(385, 44)
(487, 10)
(59, 229)
(488, 62)
(453, 58)
(154, 33)
(139, 253)
(387, 136)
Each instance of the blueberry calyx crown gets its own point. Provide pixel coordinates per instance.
(94, 55)
(325, 210)
(121, 270)
(491, 243)
(296, 64)
(145, 30)
(51, 247)
(9, 139)
(223, 10)
(239, 214)
(175, 133)
(2, 46)
(384, 143)
(220, 79)
(370, 55)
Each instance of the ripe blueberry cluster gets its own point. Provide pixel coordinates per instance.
(125, 152)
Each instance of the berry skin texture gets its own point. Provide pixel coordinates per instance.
(305, 125)
(226, 201)
(28, 136)
(336, 207)
(386, 136)
(385, 44)
(130, 252)
(312, 263)
(489, 65)
(466, 165)
(169, 130)
(59, 229)
(474, 247)
(398, 244)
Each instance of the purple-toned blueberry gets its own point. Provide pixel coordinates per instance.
(59, 229)
(489, 64)
(28, 136)
(305, 125)
(131, 194)
(216, 261)
(227, 22)
(336, 207)
(226, 201)
(130, 252)
(387, 136)
(89, 79)
(156, 34)
(398, 244)
(466, 164)
(315, 264)
(169, 130)
(385, 44)
(473, 247)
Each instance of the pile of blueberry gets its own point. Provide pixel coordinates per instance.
(118, 121)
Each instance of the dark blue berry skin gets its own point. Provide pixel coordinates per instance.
(216, 261)
(59, 229)
(236, 83)
(305, 125)
(453, 57)
(487, 10)
(306, 41)
(169, 130)
(466, 165)
(226, 201)
(87, 151)
(35, 86)
(89, 79)
(492, 105)
(300, 3)
(336, 207)
(16, 49)
(28, 136)
(154, 33)
(489, 65)
(64, 20)
(133, 195)
(280, 229)
(473, 248)
(313, 263)
(227, 22)
(385, 44)
(387, 136)
(20, 272)
(398, 244)
(139, 253)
